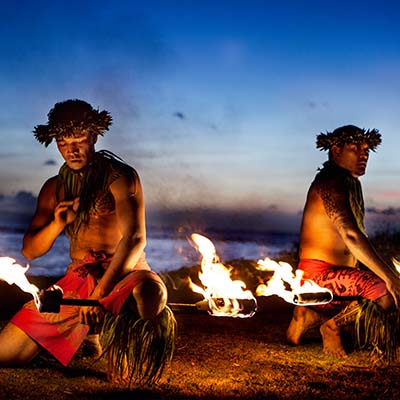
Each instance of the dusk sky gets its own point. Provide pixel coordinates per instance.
(216, 103)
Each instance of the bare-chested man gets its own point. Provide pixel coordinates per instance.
(333, 240)
(98, 201)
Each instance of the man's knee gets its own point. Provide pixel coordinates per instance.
(150, 297)
(16, 347)
(386, 302)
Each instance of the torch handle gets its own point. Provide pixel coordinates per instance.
(79, 302)
(320, 298)
(200, 305)
(346, 298)
(189, 307)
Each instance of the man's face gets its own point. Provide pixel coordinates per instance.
(77, 150)
(352, 156)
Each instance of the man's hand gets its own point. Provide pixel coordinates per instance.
(393, 286)
(65, 211)
(91, 316)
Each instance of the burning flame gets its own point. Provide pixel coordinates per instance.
(221, 292)
(396, 264)
(288, 284)
(13, 273)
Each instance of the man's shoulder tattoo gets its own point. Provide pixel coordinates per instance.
(333, 195)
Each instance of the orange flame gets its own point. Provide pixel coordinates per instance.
(396, 264)
(13, 273)
(287, 284)
(218, 284)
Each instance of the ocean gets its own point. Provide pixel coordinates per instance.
(164, 252)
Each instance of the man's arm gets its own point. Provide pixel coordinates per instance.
(130, 213)
(48, 222)
(336, 200)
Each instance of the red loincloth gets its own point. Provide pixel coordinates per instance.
(61, 333)
(343, 281)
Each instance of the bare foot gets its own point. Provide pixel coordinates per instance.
(91, 346)
(304, 319)
(331, 339)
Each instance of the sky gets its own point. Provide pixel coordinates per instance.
(217, 104)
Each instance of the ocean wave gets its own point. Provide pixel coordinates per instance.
(164, 252)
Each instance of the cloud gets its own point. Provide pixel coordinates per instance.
(390, 194)
(8, 155)
(25, 198)
(385, 211)
(50, 162)
(179, 115)
(142, 154)
(17, 210)
(237, 223)
(312, 104)
(21, 198)
(382, 220)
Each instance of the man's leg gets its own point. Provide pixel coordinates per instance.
(304, 318)
(16, 347)
(150, 297)
(386, 302)
(356, 282)
(91, 346)
(331, 329)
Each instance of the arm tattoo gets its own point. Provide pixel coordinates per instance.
(330, 203)
(335, 198)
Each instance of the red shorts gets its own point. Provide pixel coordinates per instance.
(62, 333)
(343, 281)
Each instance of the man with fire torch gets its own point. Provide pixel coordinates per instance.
(97, 200)
(334, 251)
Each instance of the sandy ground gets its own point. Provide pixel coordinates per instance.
(216, 358)
(219, 358)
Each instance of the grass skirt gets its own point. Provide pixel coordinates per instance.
(379, 330)
(140, 350)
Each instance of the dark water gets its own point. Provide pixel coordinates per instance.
(165, 252)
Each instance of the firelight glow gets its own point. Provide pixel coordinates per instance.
(217, 283)
(396, 264)
(13, 273)
(284, 278)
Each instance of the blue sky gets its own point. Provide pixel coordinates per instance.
(216, 103)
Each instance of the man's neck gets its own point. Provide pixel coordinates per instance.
(334, 164)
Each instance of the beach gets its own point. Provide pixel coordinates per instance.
(216, 358)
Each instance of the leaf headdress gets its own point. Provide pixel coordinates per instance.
(70, 116)
(349, 134)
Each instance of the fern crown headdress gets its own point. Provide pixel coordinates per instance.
(70, 116)
(349, 134)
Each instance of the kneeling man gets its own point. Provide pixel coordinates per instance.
(333, 243)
